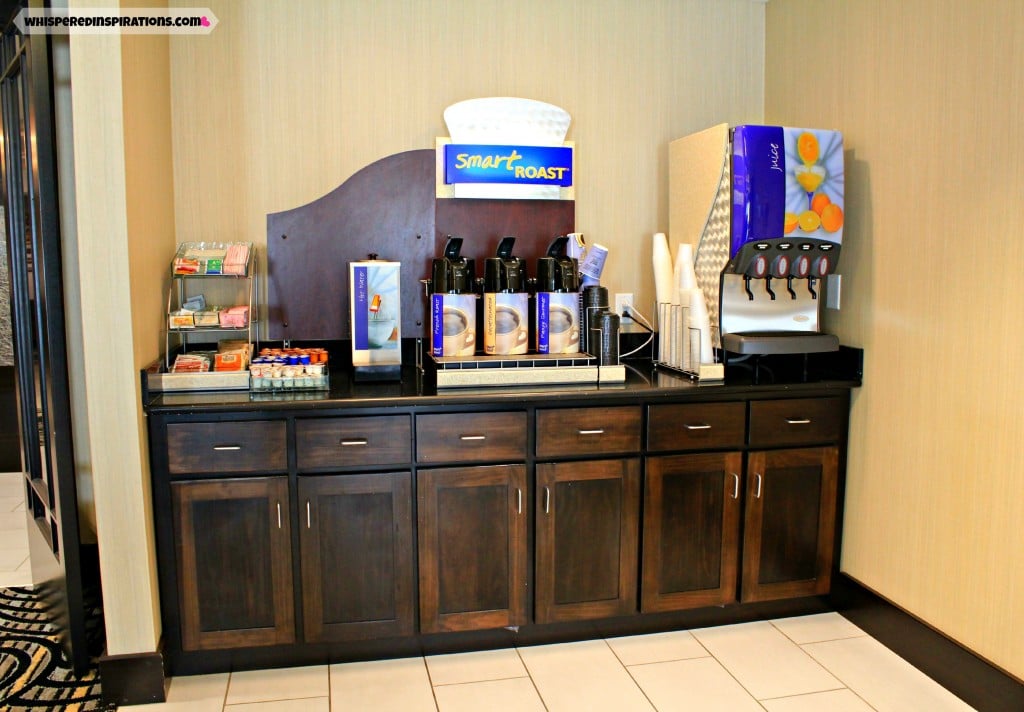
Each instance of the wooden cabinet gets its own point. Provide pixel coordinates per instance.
(471, 437)
(696, 426)
(234, 562)
(472, 547)
(587, 539)
(588, 431)
(790, 523)
(353, 442)
(355, 535)
(691, 531)
(244, 446)
(362, 531)
(796, 421)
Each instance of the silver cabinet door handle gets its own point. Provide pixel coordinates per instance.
(798, 421)
(519, 501)
(472, 437)
(547, 500)
(222, 448)
(757, 490)
(354, 442)
(308, 516)
(278, 515)
(699, 426)
(599, 431)
(735, 485)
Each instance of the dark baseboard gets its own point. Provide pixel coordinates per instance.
(135, 679)
(974, 680)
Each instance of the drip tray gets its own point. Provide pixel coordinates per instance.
(779, 342)
(524, 370)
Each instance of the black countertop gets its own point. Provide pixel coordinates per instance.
(775, 375)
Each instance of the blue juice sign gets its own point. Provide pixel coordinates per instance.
(517, 165)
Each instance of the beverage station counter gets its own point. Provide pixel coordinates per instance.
(388, 515)
(383, 519)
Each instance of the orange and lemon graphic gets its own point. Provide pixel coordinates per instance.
(812, 174)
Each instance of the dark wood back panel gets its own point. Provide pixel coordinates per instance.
(388, 208)
(481, 223)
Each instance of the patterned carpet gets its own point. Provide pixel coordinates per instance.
(34, 672)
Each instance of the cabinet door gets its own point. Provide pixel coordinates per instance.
(472, 547)
(587, 539)
(691, 531)
(234, 562)
(790, 523)
(355, 534)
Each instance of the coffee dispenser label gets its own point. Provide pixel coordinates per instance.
(453, 324)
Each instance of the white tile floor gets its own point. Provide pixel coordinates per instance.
(819, 663)
(14, 564)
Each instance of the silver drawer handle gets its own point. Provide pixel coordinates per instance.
(222, 448)
(472, 437)
(757, 492)
(354, 442)
(798, 421)
(735, 485)
(599, 431)
(701, 426)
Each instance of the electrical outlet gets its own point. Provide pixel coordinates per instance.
(622, 301)
(834, 287)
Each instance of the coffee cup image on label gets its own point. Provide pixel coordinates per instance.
(459, 332)
(505, 324)
(563, 331)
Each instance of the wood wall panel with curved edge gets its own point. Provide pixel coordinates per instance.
(388, 208)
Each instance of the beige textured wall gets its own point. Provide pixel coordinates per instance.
(929, 94)
(119, 234)
(286, 99)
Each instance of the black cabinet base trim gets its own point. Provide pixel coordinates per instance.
(135, 679)
(974, 680)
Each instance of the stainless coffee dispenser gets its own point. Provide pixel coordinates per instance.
(453, 323)
(506, 321)
(557, 317)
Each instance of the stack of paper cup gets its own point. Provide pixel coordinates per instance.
(662, 261)
(699, 328)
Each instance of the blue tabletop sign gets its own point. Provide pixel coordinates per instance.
(522, 165)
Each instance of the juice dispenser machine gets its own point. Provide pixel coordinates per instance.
(772, 234)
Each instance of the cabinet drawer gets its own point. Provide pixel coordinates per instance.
(696, 426)
(797, 421)
(350, 442)
(470, 437)
(230, 446)
(587, 431)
